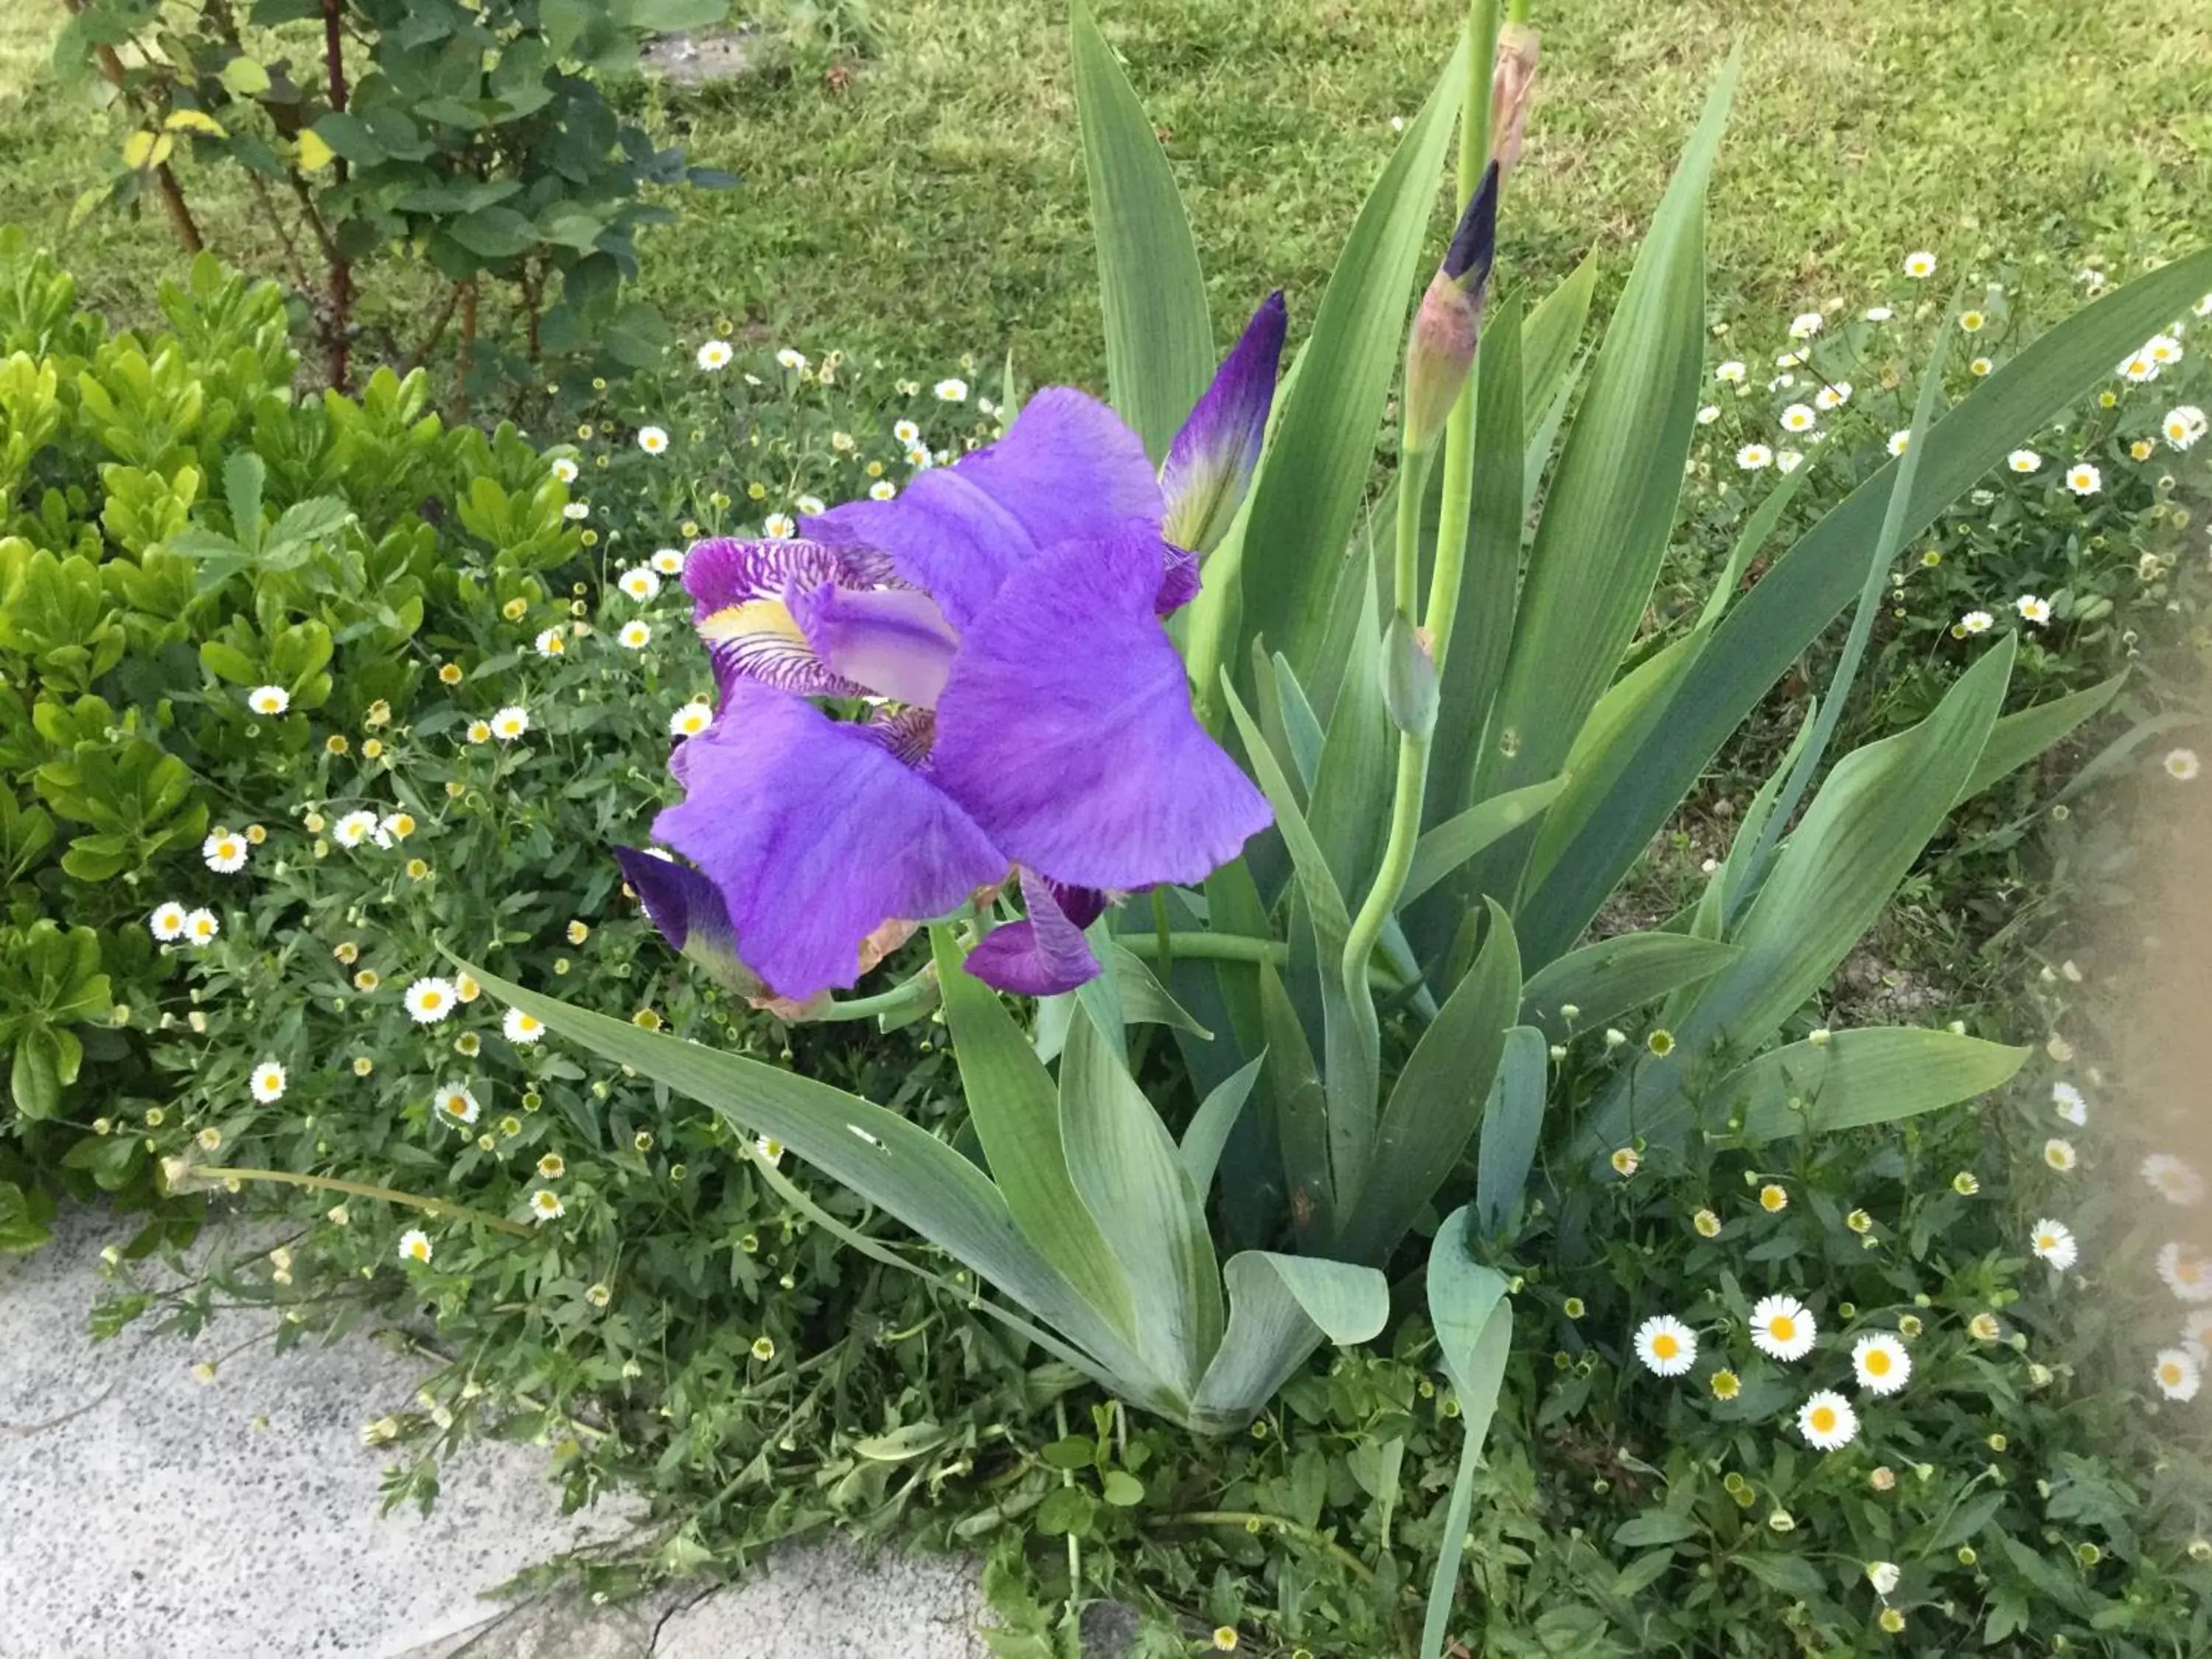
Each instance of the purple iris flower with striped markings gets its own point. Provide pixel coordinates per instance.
(1002, 700)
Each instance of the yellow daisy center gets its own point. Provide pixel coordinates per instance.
(2169, 1373)
(1824, 1418)
(1664, 1345)
(1782, 1327)
(2187, 1271)
(1877, 1362)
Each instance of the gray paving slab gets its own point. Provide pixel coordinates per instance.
(161, 1517)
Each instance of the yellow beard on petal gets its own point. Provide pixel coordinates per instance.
(754, 619)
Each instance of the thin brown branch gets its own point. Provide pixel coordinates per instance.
(421, 354)
(164, 182)
(340, 320)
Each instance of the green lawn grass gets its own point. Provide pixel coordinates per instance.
(935, 204)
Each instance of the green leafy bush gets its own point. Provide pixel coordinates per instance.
(470, 141)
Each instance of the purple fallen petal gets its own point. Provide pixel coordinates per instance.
(817, 833)
(1043, 955)
(1066, 469)
(1211, 462)
(688, 909)
(894, 641)
(1066, 728)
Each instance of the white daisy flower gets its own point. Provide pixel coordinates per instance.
(1829, 398)
(1920, 265)
(2023, 460)
(1789, 460)
(635, 635)
(809, 506)
(2164, 350)
(953, 389)
(652, 439)
(1782, 383)
(2203, 307)
(2137, 370)
(430, 998)
(2196, 1332)
(1827, 1421)
(714, 356)
(1899, 438)
(415, 1245)
(267, 1082)
(779, 526)
(2053, 1241)
(576, 512)
(2084, 479)
(1976, 622)
(201, 926)
(354, 828)
(1752, 458)
(1667, 1346)
(1799, 417)
(770, 1148)
(1806, 323)
(2186, 1273)
(2174, 1181)
(2183, 426)
(1730, 372)
(2182, 765)
(455, 1101)
(2033, 608)
(564, 469)
(168, 922)
(545, 1205)
(510, 723)
(550, 642)
(668, 562)
(907, 433)
(1879, 314)
(224, 853)
(882, 490)
(1884, 1576)
(1791, 359)
(2070, 1103)
(274, 700)
(1782, 1328)
(2177, 1374)
(787, 358)
(2058, 1152)
(640, 583)
(1881, 1363)
(690, 720)
(522, 1028)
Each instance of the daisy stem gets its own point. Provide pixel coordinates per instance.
(436, 1207)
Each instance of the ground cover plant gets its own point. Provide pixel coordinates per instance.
(663, 1298)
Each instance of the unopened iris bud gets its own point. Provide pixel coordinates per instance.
(688, 910)
(1512, 80)
(1442, 351)
(1210, 465)
(1410, 694)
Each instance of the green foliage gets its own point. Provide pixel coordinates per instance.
(471, 141)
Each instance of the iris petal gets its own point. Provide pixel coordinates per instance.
(688, 909)
(816, 832)
(1046, 953)
(1087, 764)
(1066, 469)
(1211, 462)
(738, 591)
(893, 641)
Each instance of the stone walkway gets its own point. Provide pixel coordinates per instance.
(144, 1514)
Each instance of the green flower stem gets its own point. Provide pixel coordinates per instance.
(1442, 607)
(436, 1207)
(1412, 747)
(907, 996)
(1212, 947)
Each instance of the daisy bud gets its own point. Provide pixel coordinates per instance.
(1441, 350)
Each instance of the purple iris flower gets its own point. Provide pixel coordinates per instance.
(1023, 711)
